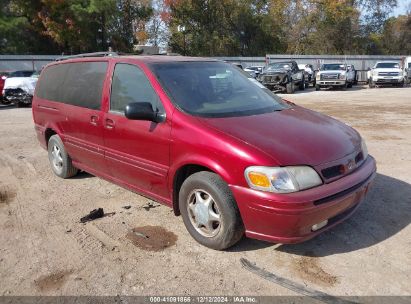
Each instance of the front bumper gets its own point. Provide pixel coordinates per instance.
(17, 95)
(331, 82)
(386, 79)
(274, 81)
(288, 218)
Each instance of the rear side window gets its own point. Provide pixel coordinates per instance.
(79, 84)
(130, 84)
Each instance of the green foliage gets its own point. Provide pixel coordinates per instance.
(71, 26)
(395, 37)
(221, 27)
(257, 27)
(204, 27)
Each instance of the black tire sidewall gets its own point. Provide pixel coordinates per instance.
(67, 166)
(231, 229)
(290, 87)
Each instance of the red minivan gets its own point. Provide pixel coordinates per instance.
(200, 137)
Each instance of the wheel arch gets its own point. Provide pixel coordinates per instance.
(181, 172)
(49, 131)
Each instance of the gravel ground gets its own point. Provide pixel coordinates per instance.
(45, 250)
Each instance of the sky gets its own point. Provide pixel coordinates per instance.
(401, 9)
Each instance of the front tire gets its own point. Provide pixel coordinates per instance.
(302, 85)
(290, 87)
(317, 87)
(209, 211)
(371, 83)
(60, 161)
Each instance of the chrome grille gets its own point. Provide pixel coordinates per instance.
(338, 170)
(329, 76)
(388, 73)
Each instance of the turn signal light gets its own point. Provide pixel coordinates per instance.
(259, 179)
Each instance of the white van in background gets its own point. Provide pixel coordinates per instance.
(407, 68)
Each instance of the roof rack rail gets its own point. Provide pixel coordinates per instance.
(85, 55)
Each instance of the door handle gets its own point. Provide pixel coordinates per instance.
(109, 123)
(94, 120)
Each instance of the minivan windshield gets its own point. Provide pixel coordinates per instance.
(333, 67)
(214, 89)
(387, 65)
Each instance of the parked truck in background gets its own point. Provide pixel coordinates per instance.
(337, 75)
(407, 69)
(386, 72)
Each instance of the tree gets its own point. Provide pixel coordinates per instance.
(395, 37)
(126, 23)
(204, 27)
(21, 31)
(156, 29)
(72, 26)
(218, 28)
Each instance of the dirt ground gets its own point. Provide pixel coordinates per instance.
(45, 250)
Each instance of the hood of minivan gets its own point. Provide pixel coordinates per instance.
(294, 136)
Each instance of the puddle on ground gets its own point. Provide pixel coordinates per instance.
(6, 195)
(53, 281)
(309, 269)
(152, 238)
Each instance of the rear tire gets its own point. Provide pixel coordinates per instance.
(209, 211)
(60, 161)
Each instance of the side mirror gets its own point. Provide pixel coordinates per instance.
(369, 69)
(142, 111)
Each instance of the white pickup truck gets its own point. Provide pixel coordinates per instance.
(386, 72)
(407, 64)
(335, 75)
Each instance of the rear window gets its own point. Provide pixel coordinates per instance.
(79, 84)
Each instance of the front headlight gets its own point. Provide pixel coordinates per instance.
(282, 179)
(374, 73)
(342, 76)
(318, 76)
(364, 149)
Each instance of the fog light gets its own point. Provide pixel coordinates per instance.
(319, 225)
